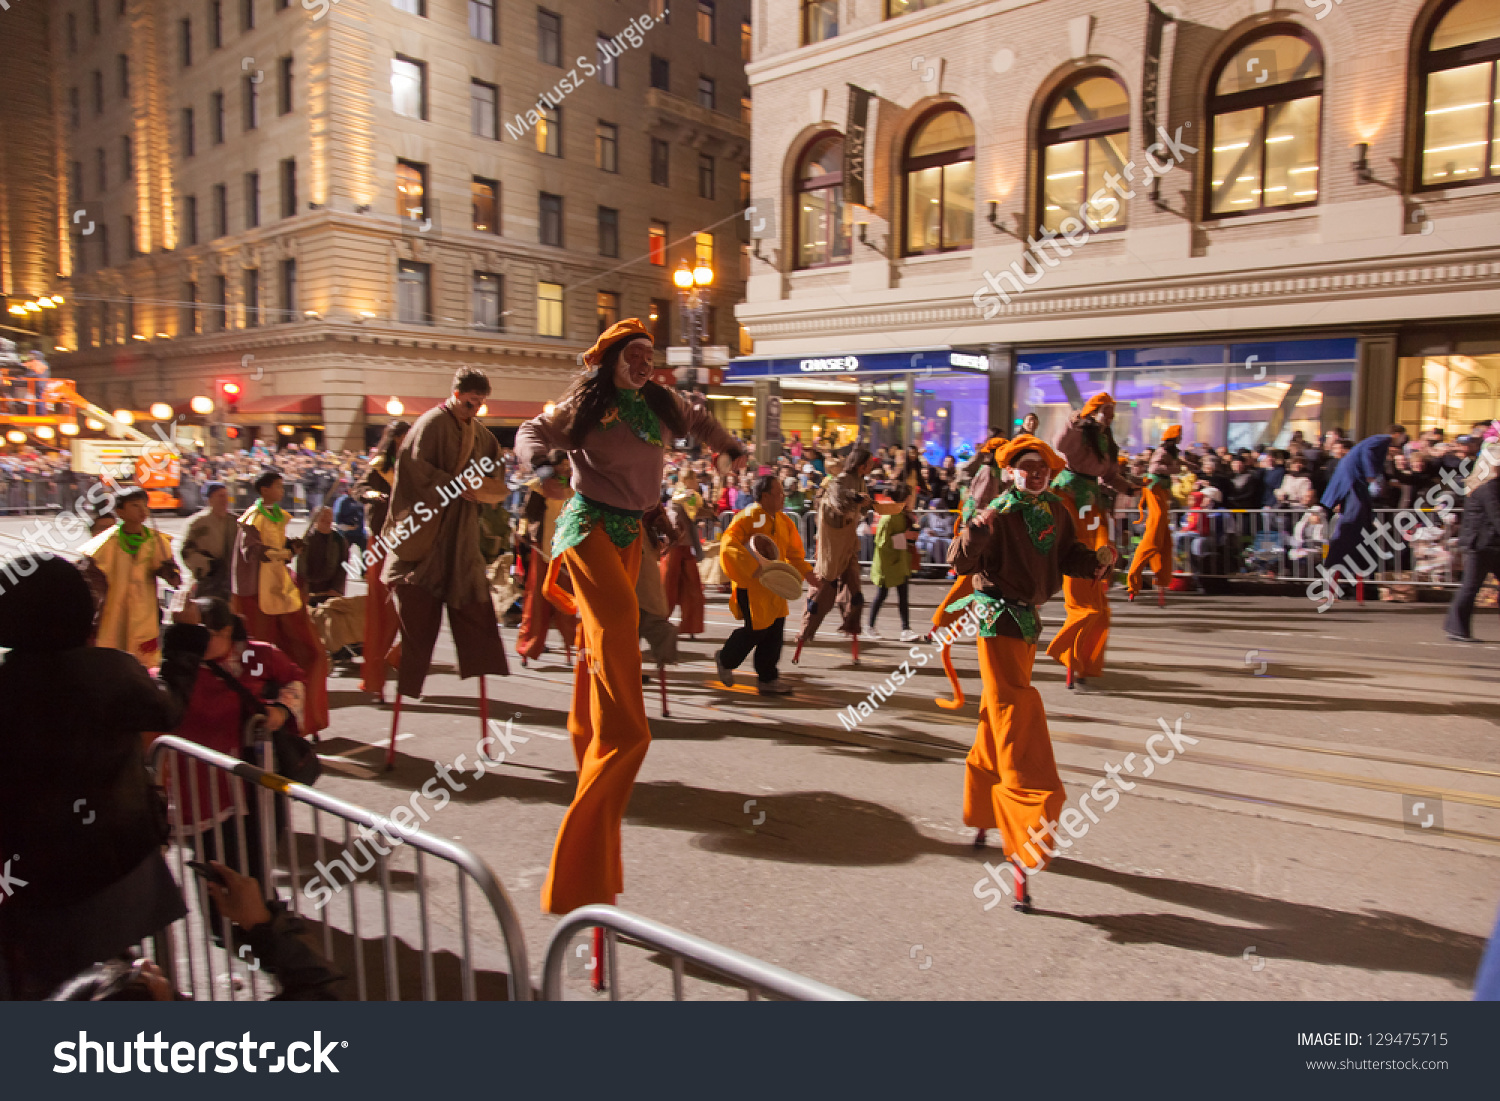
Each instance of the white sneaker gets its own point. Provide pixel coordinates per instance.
(871, 632)
(909, 636)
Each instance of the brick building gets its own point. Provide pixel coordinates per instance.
(1251, 217)
(337, 203)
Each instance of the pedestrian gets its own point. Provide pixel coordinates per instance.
(1478, 539)
(761, 611)
(448, 466)
(615, 423)
(125, 562)
(349, 518)
(208, 544)
(891, 567)
(1017, 551)
(267, 598)
(1358, 474)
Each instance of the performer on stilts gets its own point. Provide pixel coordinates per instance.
(545, 502)
(616, 424)
(1018, 550)
(1361, 470)
(1154, 551)
(447, 467)
(836, 577)
(266, 597)
(1088, 488)
(381, 624)
(985, 484)
(679, 562)
(656, 629)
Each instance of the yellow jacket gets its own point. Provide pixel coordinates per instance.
(740, 564)
(131, 618)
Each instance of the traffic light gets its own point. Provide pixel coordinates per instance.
(229, 393)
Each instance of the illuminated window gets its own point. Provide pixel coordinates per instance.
(549, 131)
(939, 169)
(706, 21)
(409, 87)
(656, 243)
(747, 42)
(1460, 95)
(820, 20)
(485, 200)
(703, 250)
(894, 8)
(549, 309)
(411, 189)
(1085, 134)
(1265, 114)
(822, 221)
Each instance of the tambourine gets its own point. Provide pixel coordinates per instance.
(776, 575)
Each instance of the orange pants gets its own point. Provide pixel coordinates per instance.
(608, 724)
(538, 615)
(1155, 549)
(293, 635)
(1080, 642)
(680, 579)
(381, 626)
(1010, 776)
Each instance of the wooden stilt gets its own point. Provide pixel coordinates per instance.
(661, 679)
(854, 646)
(597, 978)
(1359, 591)
(484, 710)
(797, 654)
(390, 753)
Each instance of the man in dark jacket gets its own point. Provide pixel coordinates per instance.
(1479, 540)
(80, 826)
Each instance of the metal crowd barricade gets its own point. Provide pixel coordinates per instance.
(189, 948)
(755, 977)
(1273, 545)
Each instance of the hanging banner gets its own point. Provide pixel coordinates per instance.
(1156, 22)
(854, 146)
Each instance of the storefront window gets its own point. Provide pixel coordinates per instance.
(950, 415)
(1452, 393)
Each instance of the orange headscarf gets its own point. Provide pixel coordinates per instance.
(1096, 403)
(1017, 447)
(629, 329)
(993, 444)
(1173, 432)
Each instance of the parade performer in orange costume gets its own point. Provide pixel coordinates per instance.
(381, 624)
(679, 562)
(615, 423)
(1154, 552)
(548, 498)
(1017, 551)
(1088, 488)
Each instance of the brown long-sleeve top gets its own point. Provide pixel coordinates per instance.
(615, 467)
(996, 549)
(374, 490)
(1079, 443)
(1170, 464)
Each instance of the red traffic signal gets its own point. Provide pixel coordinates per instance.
(231, 390)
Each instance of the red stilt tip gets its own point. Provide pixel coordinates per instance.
(854, 646)
(1359, 591)
(484, 709)
(597, 979)
(797, 654)
(1161, 598)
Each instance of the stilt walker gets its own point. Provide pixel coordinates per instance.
(1017, 550)
(1088, 488)
(549, 495)
(1154, 552)
(267, 598)
(615, 423)
(985, 484)
(681, 581)
(841, 502)
(656, 629)
(381, 624)
(447, 467)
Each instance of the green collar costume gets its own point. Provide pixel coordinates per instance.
(131, 543)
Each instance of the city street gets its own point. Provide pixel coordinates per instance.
(1275, 857)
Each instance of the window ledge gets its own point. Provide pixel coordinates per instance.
(1270, 217)
(1443, 194)
(938, 257)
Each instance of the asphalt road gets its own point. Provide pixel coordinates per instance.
(1281, 855)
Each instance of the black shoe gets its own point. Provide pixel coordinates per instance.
(726, 674)
(979, 838)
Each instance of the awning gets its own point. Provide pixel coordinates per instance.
(924, 361)
(305, 404)
(412, 407)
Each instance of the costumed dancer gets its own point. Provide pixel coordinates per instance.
(985, 484)
(268, 600)
(840, 504)
(1088, 488)
(1154, 551)
(679, 565)
(448, 466)
(549, 495)
(759, 599)
(616, 424)
(656, 629)
(1359, 473)
(1018, 550)
(125, 561)
(381, 623)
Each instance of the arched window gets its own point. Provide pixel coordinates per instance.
(939, 166)
(1460, 83)
(1085, 133)
(822, 226)
(1265, 117)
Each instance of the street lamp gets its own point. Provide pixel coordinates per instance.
(692, 290)
(394, 407)
(161, 411)
(201, 405)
